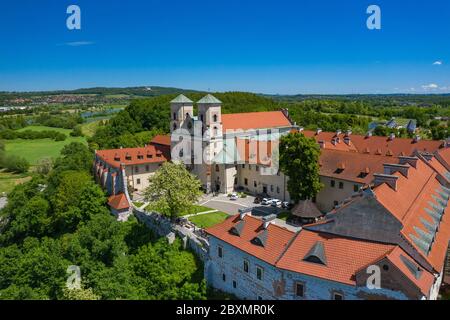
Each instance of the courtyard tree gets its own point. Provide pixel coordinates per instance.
(299, 160)
(173, 190)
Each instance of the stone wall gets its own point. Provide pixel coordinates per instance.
(163, 227)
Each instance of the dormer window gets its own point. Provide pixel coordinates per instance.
(116, 157)
(128, 156)
(149, 156)
(237, 229)
(261, 239)
(140, 157)
(316, 254)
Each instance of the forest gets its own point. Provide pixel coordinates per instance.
(60, 219)
(150, 116)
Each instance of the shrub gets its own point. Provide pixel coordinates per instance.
(16, 164)
(60, 137)
(77, 132)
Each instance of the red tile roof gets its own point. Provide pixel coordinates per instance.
(344, 256)
(277, 240)
(164, 140)
(414, 195)
(254, 120)
(325, 139)
(426, 279)
(132, 156)
(118, 202)
(376, 145)
(351, 166)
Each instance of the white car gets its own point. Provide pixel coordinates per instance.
(276, 203)
(266, 201)
(234, 197)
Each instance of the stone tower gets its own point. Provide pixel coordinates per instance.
(182, 111)
(210, 114)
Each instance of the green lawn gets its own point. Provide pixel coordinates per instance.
(35, 150)
(88, 129)
(209, 219)
(197, 209)
(9, 180)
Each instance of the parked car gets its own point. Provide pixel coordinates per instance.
(276, 203)
(286, 205)
(257, 200)
(266, 201)
(234, 196)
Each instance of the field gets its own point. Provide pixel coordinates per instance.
(35, 150)
(209, 219)
(89, 128)
(9, 180)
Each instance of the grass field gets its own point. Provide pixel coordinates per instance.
(88, 129)
(209, 219)
(9, 180)
(197, 209)
(35, 150)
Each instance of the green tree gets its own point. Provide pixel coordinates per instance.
(15, 164)
(173, 190)
(299, 160)
(79, 294)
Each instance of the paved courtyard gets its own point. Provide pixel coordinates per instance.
(223, 203)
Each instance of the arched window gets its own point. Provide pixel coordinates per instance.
(187, 115)
(216, 131)
(174, 116)
(217, 168)
(174, 126)
(215, 118)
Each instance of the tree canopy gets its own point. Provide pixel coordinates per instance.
(60, 219)
(173, 189)
(299, 160)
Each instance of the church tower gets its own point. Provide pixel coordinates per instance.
(182, 111)
(210, 115)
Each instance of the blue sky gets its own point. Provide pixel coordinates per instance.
(270, 46)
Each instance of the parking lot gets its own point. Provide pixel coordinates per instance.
(223, 203)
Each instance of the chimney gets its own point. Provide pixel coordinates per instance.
(333, 141)
(300, 129)
(322, 144)
(447, 143)
(347, 140)
(368, 134)
(244, 212)
(428, 156)
(391, 168)
(386, 178)
(392, 136)
(267, 220)
(412, 161)
(348, 133)
(338, 132)
(416, 138)
(318, 131)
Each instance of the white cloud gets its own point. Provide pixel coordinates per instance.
(78, 43)
(430, 87)
(437, 63)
